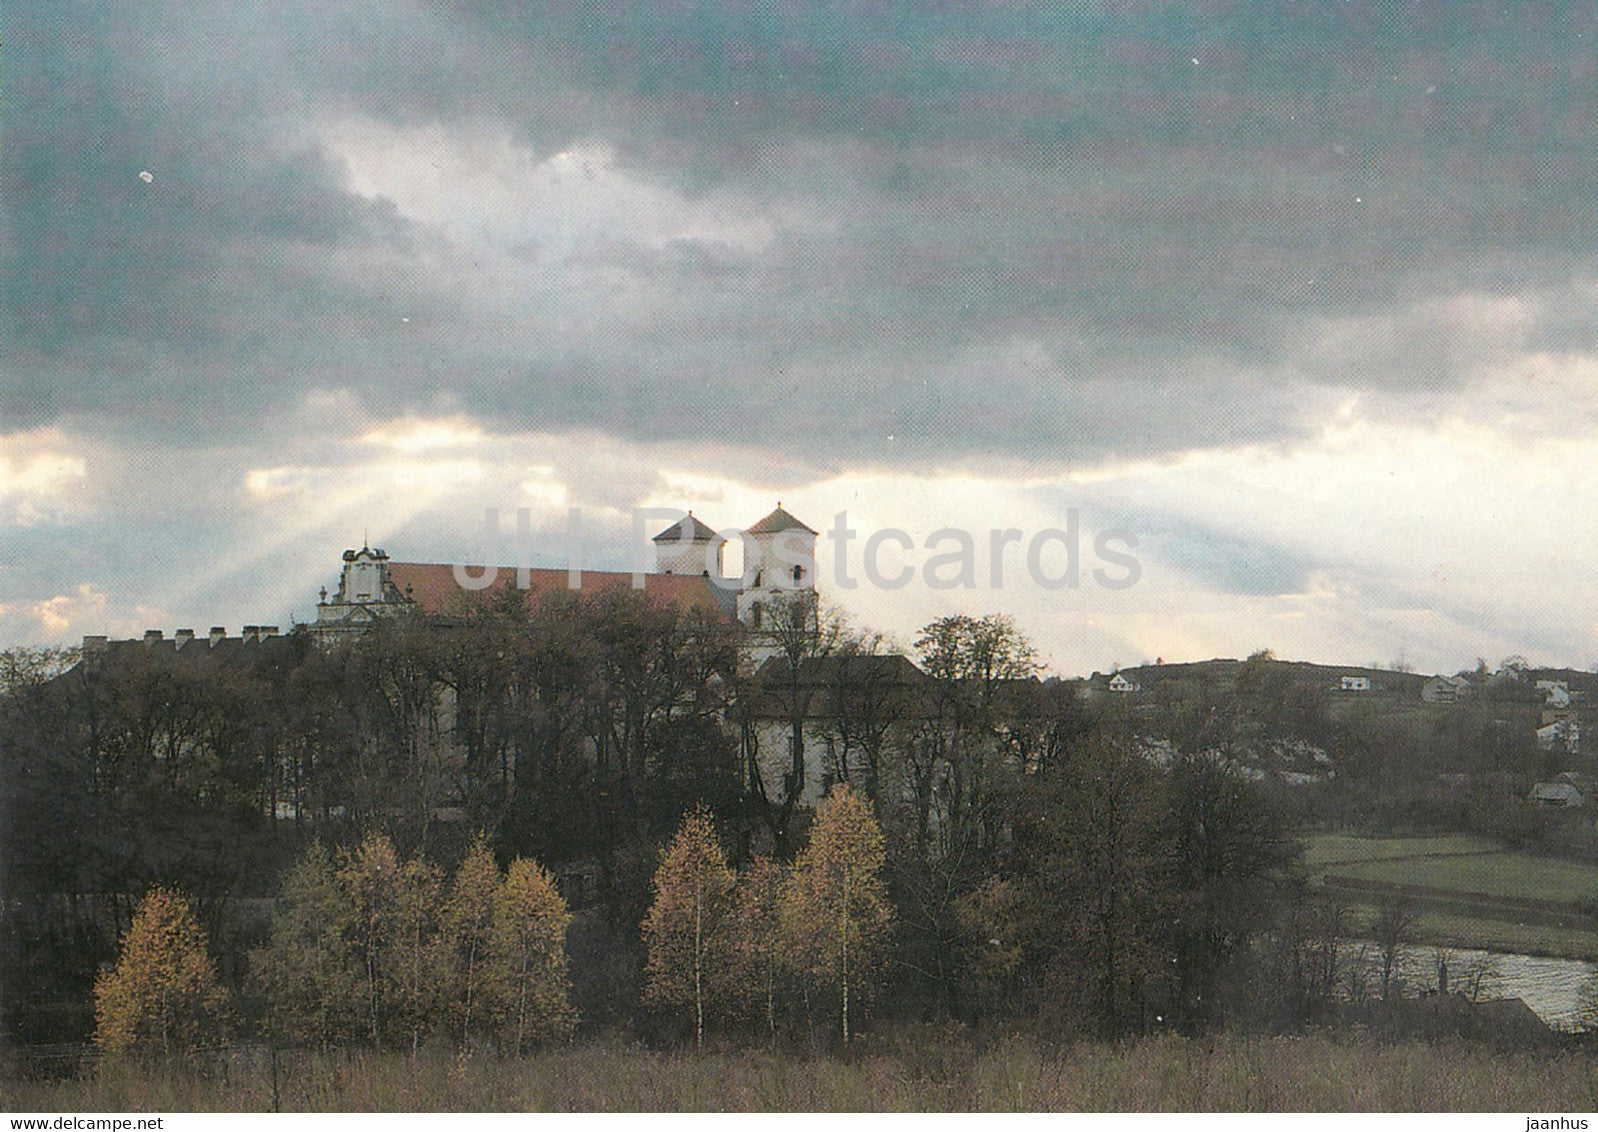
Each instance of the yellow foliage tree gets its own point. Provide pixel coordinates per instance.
(412, 973)
(162, 996)
(835, 916)
(465, 928)
(369, 879)
(307, 971)
(753, 943)
(527, 956)
(683, 930)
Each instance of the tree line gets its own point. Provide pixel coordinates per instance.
(367, 949)
(1031, 856)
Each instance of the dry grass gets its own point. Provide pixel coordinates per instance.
(915, 1072)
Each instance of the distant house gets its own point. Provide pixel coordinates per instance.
(1356, 684)
(1120, 683)
(1565, 734)
(1445, 689)
(1556, 795)
(1556, 693)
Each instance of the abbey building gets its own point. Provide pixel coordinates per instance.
(776, 586)
(772, 603)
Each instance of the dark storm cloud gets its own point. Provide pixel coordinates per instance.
(162, 246)
(1050, 230)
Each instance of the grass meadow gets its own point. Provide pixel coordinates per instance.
(1322, 849)
(1469, 891)
(924, 1071)
(1505, 876)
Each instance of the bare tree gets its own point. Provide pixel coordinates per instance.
(1394, 930)
(786, 687)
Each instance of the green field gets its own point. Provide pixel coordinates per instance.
(1470, 891)
(1332, 848)
(1462, 930)
(1506, 876)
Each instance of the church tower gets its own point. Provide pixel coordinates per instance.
(365, 593)
(689, 547)
(779, 582)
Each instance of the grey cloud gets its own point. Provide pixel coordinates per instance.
(1217, 559)
(984, 174)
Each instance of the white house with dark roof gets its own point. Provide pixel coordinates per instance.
(1556, 693)
(1445, 689)
(1556, 795)
(1564, 734)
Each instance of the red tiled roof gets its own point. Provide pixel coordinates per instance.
(433, 586)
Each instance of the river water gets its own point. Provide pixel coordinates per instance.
(1553, 988)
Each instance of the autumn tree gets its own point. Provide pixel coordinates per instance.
(352, 951)
(990, 951)
(411, 973)
(683, 930)
(835, 916)
(163, 995)
(527, 953)
(367, 879)
(753, 952)
(465, 930)
(1088, 860)
(306, 970)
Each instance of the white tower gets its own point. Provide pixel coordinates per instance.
(365, 592)
(689, 547)
(779, 581)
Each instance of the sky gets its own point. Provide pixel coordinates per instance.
(1295, 302)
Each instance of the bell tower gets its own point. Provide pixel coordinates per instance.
(689, 546)
(779, 581)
